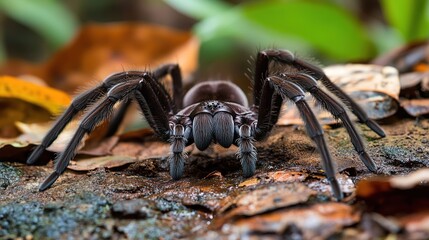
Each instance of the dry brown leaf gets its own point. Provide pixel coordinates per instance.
(396, 195)
(322, 184)
(315, 222)
(277, 176)
(100, 162)
(370, 187)
(374, 88)
(268, 198)
(406, 58)
(416, 107)
(33, 134)
(103, 147)
(99, 50)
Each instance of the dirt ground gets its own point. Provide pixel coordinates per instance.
(288, 197)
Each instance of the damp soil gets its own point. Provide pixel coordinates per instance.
(141, 201)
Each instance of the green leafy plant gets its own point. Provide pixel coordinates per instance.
(324, 27)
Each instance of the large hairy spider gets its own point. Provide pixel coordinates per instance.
(214, 112)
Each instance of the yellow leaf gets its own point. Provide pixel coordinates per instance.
(48, 98)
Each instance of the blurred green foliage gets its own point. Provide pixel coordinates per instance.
(49, 18)
(327, 29)
(325, 26)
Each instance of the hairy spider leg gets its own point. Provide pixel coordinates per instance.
(176, 103)
(83, 100)
(178, 141)
(308, 83)
(289, 90)
(143, 84)
(285, 57)
(246, 150)
(78, 104)
(176, 76)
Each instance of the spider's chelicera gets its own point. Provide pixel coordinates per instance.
(214, 112)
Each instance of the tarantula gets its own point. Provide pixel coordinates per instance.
(214, 112)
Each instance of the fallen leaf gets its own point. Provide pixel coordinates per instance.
(33, 133)
(415, 107)
(322, 184)
(414, 84)
(397, 194)
(98, 50)
(104, 147)
(406, 58)
(89, 164)
(268, 198)
(318, 221)
(24, 101)
(277, 176)
(54, 101)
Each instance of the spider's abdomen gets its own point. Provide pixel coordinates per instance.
(212, 121)
(215, 90)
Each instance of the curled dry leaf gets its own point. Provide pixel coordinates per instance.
(407, 58)
(277, 176)
(33, 133)
(403, 198)
(416, 107)
(318, 221)
(412, 62)
(388, 194)
(123, 153)
(375, 88)
(267, 198)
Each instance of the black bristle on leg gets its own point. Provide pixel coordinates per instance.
(293, 92)
(247, 151)
(337, 110)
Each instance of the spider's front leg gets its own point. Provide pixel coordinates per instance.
(91, 119)
(180, 134)
(275, 88)
(80, 103)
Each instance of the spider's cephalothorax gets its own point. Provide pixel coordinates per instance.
(213, 112)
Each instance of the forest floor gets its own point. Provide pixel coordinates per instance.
(287, 197)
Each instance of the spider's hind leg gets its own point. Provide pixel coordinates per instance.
(331, 105)
(288, 58)
(294, 93)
